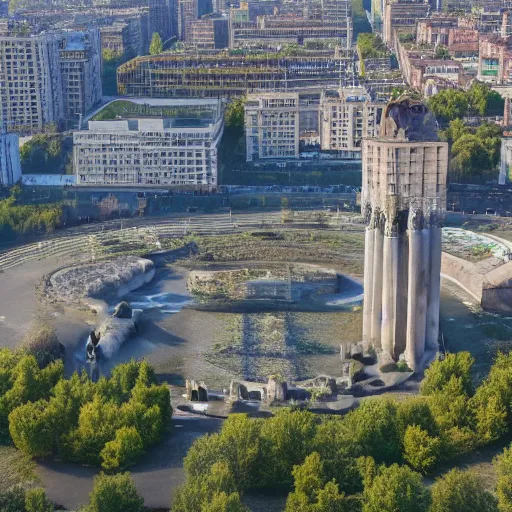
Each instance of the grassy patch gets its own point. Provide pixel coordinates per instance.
(15, 468)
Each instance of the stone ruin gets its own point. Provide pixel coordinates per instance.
(196, 391)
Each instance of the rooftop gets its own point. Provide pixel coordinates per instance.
(171, 113)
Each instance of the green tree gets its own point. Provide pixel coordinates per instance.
(12, 500)
(115, 493)
(286, 439)
(439, 373)
(461, 491)
(123, 451)
(442, 52)
(97, 425)
(31, 429)
(396, 489)
(449, 104)
(456, 129)
(421, 451)
(503, 465)
(222, 502)
(156, 46)
(497, 386)
(196, 494)
(36, 501)
(313, 493)
(373, 427)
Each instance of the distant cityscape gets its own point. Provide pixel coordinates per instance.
(312, 78)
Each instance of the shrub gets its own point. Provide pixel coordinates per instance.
(421, 451)
(31, 429)
(114, 493)
(124, 450)
(396, 489)
(461, 491)
(440, 372)
(41, 342)
(503, 465)
(36, 501)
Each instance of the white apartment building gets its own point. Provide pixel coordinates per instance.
(10, 166)
(272, 126)
(177, 149)
(31, 94)
(347, 116)
(80, 62)
(290, 124)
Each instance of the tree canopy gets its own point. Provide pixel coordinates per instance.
(156, 46)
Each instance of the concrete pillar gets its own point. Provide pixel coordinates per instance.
(434, 289)
(378, 247)
(401, 296)
(368, 285)
(389, 293)
(414, 335)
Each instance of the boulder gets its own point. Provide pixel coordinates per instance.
(123, 310)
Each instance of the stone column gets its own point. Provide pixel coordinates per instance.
(378, 248)
(402, 298)
(415, 335)
(434, 288)
(368, 284)
(389, 286)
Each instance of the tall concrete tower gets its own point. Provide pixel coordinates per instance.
(403, 200)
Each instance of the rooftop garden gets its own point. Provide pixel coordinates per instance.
(371, 46)
(123, 109)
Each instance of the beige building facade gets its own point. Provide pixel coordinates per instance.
(346, 117)
(272, 126)
(157, 150)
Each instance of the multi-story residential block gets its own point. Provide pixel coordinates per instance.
(80, 62)
(290, 125)
(401, 14)
(31, 91)
(152, 147)
(162, 18)
(210, 32)
(276, 30)
(272, 126)
(123, 38)
(347, 116)
(10, 166)
(214, 75)
(189, 11)
(495, 58)
(435, 30)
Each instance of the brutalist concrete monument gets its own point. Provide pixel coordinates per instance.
(403, 200)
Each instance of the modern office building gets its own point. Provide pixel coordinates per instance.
(162, 142)
(31, 91)
(10, 166)
(80, 62)
(403, 198)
